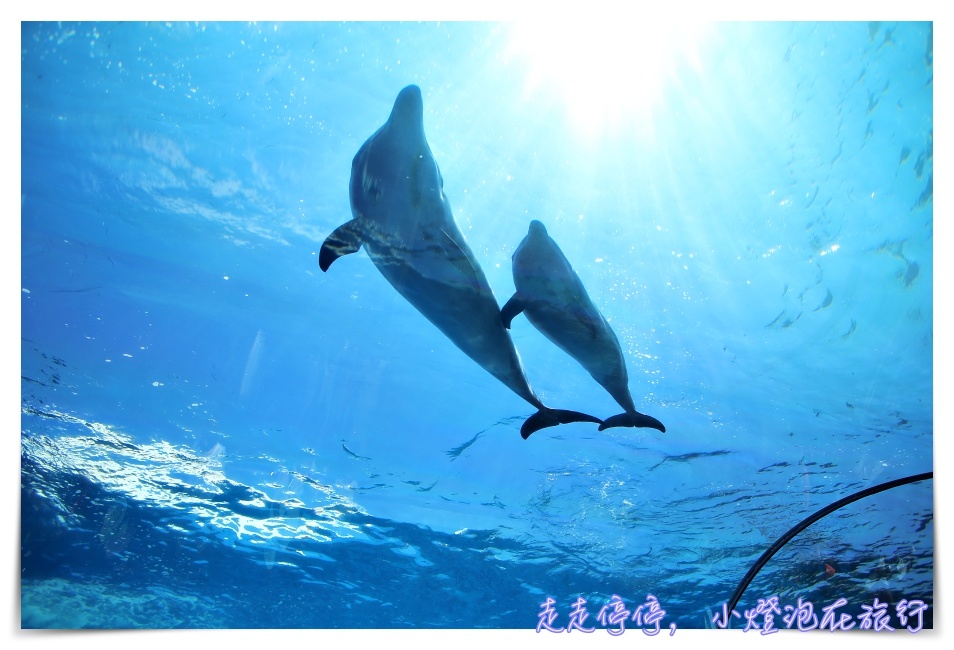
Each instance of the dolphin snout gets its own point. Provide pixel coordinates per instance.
(537, 228)
(409, 106)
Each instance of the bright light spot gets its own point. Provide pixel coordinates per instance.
(608, 72)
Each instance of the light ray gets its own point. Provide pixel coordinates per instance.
(606, 73)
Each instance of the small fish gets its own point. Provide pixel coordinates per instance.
(829, 569)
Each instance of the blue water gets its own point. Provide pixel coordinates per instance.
(214, 433)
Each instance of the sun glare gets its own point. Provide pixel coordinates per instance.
(608, 73)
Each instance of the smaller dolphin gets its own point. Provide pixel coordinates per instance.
(550, 293)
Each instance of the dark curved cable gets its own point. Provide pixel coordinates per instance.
(787, 537)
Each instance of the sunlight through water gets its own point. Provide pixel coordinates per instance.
(605, 73)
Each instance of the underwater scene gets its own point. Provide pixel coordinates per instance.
(460, 325)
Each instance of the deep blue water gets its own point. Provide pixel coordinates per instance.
(214, 433)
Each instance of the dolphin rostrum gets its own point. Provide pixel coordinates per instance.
(550, 293)
(403, 220)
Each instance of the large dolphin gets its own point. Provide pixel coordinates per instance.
(403, 220)
(550, 293)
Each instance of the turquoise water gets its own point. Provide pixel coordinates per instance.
(215, 433)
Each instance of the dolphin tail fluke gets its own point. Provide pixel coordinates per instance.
(343, 241)
(634, 419)
(552, 417)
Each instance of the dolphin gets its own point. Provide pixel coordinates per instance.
(402, 218)
(550, 293)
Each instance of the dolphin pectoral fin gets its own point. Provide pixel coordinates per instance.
(343, 241)
(634, 419)
(514, 306)
(552, 417)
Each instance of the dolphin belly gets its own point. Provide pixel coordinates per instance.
(403, 220)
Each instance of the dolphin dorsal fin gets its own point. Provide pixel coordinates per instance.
(468, 267)
(588, 323)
